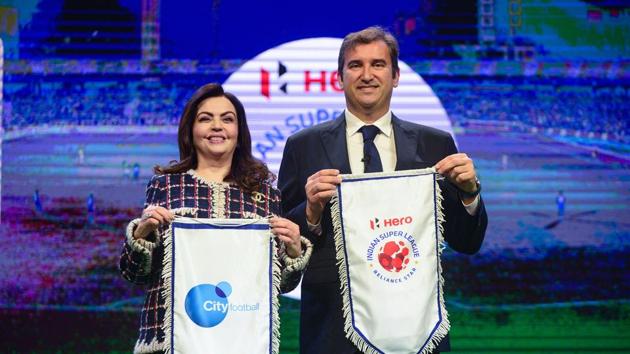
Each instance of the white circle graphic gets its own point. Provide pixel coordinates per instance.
(294, 86)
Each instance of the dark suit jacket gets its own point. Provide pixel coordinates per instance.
(324, 146)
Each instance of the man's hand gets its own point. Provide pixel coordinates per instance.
(320, 187)
(459, 169)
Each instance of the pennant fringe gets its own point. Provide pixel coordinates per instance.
(167, 290)
(351, 333)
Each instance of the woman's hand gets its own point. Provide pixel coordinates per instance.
(152, 218)
(289, 233)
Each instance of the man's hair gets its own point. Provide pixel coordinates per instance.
(367, 36)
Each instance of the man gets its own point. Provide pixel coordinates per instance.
(315, 157)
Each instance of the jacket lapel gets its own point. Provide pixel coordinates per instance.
(407, 147)
(334, 141)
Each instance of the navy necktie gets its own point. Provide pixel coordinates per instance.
(371, 159)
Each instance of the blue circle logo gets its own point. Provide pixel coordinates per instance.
(207, 305)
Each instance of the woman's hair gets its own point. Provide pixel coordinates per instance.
(246, 171)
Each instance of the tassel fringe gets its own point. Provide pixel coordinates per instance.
(167, 289)
(351, 333)
(275, 293)
(167, 267)
(445, 325)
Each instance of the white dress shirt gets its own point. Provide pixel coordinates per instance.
(384, 141)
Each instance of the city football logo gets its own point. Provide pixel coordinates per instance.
(207, 305)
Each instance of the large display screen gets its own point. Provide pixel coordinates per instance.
(549, 134)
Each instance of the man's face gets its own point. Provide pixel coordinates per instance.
(368, 80)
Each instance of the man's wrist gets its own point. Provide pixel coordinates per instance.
(469, 197)
(312, 217)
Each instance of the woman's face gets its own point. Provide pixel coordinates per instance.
(215, 130)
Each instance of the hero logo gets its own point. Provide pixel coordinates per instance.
(207, 305)
(327, 80)
(376, 222)
(265, 80)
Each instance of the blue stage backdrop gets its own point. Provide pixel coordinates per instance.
(537, 92)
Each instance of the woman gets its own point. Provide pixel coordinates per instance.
(218, 177)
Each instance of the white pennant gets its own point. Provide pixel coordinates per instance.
(388, 238)
(221, 286)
